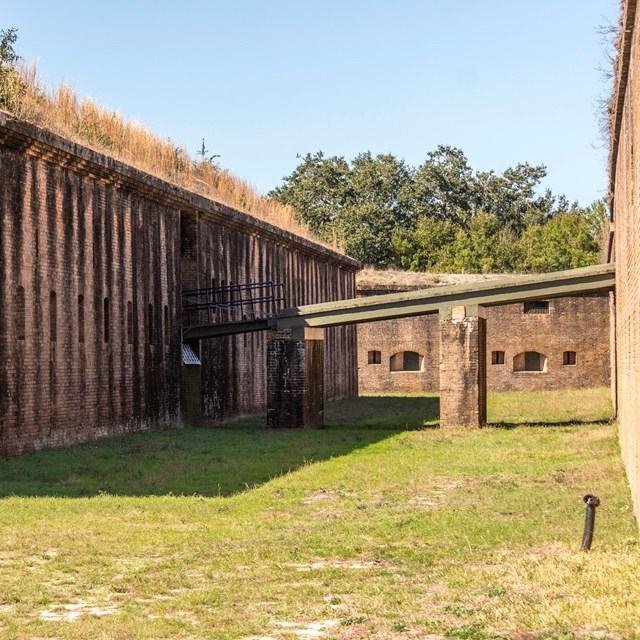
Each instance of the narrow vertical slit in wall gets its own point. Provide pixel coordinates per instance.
(37, 242)
(105, 318)
(21, 314)
(223, 299)
(80, 318)
(53, 317)
(150, 325)
(129, 322)
(166, 325)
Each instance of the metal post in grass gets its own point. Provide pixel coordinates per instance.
(590, 520)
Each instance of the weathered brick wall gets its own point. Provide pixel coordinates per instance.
(420, 334)
(234, 381)
(463, 397)
(579, 324)
(624, 177)
(75, 236)
(295, 386)
(76, 223)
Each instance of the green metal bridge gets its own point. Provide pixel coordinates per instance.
(422, 302)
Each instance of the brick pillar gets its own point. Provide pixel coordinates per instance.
(295, 379)
(463, 367)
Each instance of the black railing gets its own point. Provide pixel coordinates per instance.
(232, 302)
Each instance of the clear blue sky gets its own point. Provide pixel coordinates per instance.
(263, 80)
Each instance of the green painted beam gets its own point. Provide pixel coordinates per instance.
(426, 301)
(224, 329)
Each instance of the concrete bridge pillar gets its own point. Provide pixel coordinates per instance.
(295, 379)
(463, 366)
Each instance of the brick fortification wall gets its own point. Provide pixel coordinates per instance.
(234, 368)
(579, 324)
(93, 255)
(624, 176)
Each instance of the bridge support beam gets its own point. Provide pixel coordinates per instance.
(463, 366)
(295, 379)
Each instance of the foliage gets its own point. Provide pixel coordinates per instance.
(442, 216)
(11, 85)
(361, 202)
(564, 242)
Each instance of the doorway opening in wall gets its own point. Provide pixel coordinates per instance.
(406, 361)
(531, 361)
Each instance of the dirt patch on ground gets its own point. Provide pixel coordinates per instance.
(327, 496)
(300, 629)
(338, 564)
(73, 611)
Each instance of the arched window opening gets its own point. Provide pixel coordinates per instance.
(406, 361)
(21, 314)
(530, 361)
(105, 319)
(166, 325)
(497, 357)
(569, 358)
(536, 307)
(53, 317)
(375, 357)
(150, 325)
(80, 318)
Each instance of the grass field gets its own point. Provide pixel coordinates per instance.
(380, 526)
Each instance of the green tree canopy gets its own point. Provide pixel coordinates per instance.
(441, 215)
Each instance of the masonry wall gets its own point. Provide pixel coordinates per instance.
(64, 236)
(579, 324)
(234, 379)
(624, 177)
(93, 257)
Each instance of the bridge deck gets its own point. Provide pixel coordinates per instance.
(427, 301)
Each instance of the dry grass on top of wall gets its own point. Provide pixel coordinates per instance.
(82, 120)
(372, 278)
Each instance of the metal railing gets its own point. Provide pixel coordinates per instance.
(233, 302)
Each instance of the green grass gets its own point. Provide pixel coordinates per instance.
(379, 526)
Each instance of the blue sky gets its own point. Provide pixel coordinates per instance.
(261, 81)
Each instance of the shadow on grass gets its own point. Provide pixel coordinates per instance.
(218, 461)
(507, 426)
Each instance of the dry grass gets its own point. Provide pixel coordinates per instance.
(61, 110)
(371, 278)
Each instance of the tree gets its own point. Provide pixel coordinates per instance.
(444, 186)
(426, 246)
(563, 242)
(442, 215)
(9, 81)
(358, 203)
(318, 190)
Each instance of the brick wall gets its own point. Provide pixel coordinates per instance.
(68, 234)
(624, 175)
(234, 368)
(78, 228)
(579, 324)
